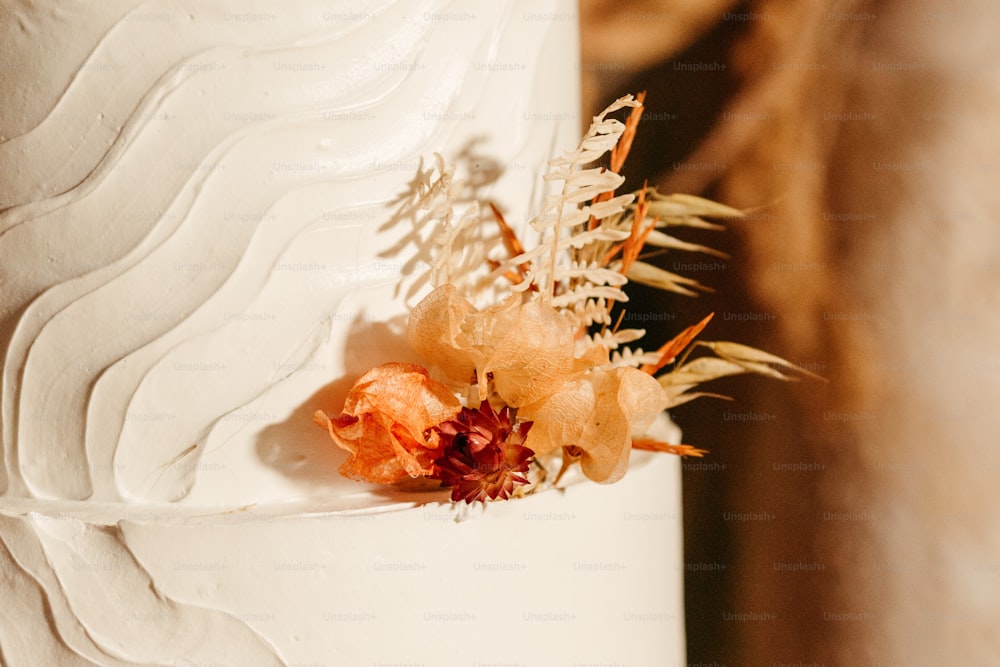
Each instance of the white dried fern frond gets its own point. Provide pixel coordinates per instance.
(572, 216)
(591, 272)
(562, 213)
(453, 246)
(539, 273)
(463, 244)
(633, 357)
(436, 189)
(584, 185)
(600, 234)
(584, 292)
(599, 139)
(613, 340)
(588, 312)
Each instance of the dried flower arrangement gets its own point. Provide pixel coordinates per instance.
(524, 366)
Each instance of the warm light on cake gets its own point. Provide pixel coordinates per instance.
(545, 351)
(203, 240)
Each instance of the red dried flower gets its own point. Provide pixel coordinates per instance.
(483, 454)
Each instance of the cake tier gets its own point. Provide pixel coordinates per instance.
(202, 221)
(587, 575)
(204, 238)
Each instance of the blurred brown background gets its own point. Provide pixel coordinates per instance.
(849, 523)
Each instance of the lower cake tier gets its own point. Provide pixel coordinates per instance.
(587, 575)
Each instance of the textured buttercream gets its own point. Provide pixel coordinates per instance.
(230, 233)
(201, 242)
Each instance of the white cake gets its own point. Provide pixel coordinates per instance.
(198, 250)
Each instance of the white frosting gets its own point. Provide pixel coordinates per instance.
(197, 250)
(223, 238)
(590, 575)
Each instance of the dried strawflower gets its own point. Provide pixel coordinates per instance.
(483, 455)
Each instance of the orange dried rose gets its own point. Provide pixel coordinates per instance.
(597, 415)
(384, 421)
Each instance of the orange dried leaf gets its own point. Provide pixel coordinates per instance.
(675, 346)
(514, 278)
(612, 252)
(650, 445)
(624, 145)
(509, 236)
(514, 249)
(638, 234)
(621, 150)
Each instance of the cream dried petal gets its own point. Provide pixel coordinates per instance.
(433, 330)
(527, 348)
(597, 413)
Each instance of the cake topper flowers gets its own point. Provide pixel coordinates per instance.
(523, 365)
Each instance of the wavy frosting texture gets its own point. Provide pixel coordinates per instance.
(587, 576)
(197, 245)
(195, 205)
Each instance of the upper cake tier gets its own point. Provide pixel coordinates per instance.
(200, 223)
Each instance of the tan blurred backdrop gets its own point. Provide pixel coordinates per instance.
(849, 523)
